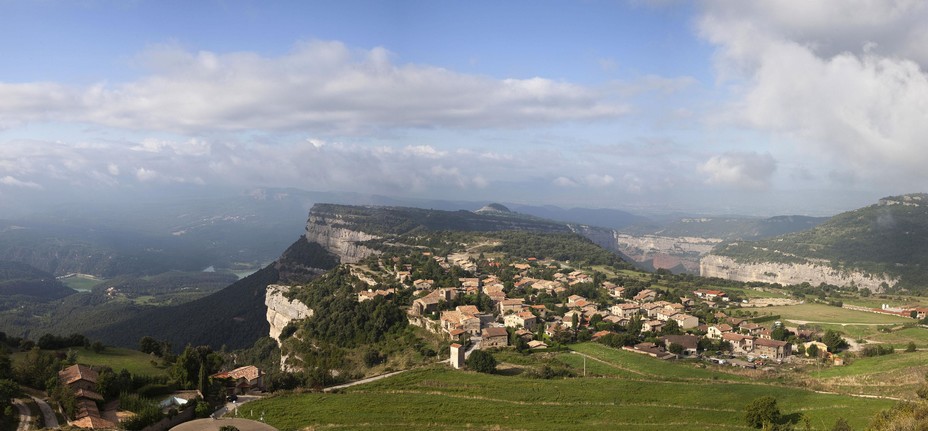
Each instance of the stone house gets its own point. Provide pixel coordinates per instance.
(773, 349)
(494, 337)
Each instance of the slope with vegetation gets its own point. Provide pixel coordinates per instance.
(887, 237)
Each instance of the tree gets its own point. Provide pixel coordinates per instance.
(676, 349)
(833, 340)
(762, 412)
(911, 347)
(812, 350)
(481, 362)
(150, 345)
(841, 425)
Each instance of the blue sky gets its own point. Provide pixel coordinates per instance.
(713, 107)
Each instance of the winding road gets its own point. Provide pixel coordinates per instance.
(51, 421)
(25, 416)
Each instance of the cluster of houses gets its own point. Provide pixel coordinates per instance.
(527, 319)
(82, 381)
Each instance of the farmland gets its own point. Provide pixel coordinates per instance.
(621, 390)
(135, 362)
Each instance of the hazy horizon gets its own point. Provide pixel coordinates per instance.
(653, 107)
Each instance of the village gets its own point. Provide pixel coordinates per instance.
(530, 304)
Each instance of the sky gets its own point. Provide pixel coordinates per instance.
(713, 107)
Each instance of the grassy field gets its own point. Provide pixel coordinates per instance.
(136, 362)
(828, 314)
(901, 338)
(81, 283)
(894, 300)
(628, 392)
(895, 375)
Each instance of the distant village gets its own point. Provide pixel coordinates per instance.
(645, 321)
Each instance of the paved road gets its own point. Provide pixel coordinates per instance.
(362, 381)
(51, 421)
(25, 416)
(474, 345)
(230, 406)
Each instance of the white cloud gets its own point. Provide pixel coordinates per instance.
(595, 180)
(841, 80)
(740, 170)
(145, 175)
(318, 85)
(564, 182)
(13, 182)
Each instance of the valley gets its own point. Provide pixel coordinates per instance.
(579, 337)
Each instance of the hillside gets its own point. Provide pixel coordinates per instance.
(727, 228)
(888, 237)
(235, 316)
(18, 279)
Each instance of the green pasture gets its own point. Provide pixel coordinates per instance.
(901, 338)
(135, 362)
(828, 314)
(81, 283)
(628, 391)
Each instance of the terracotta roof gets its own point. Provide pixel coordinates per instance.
(471, 309)
(735, 337)
(248, 372)
(82, 393)
(77, 372)
(93, 422)
(687, 341)
(85, 407)
(495, 332)
(769, 343)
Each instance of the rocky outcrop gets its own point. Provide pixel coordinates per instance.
(281, 310)
(330, 230)
(652, 251)
(814, 273)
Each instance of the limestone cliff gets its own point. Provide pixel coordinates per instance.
(281, 310)
(330, 229)
(813, 272)
(652, 251)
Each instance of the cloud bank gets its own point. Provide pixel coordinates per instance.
(842, 80)
(319, 85)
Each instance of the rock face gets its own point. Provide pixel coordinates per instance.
(281, 311)
(330, 231)
(652, 251)
(790, 273)
(666, 252)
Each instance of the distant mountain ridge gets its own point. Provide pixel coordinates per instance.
(888, 238)
(727, 228)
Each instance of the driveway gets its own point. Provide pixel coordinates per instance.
(230, 407)
(363, 381)
(51, 421)
(25, 416)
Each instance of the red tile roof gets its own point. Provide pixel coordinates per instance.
(77, 372)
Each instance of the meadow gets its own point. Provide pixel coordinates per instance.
(622, 390)
(81, 283)
(134, 361)
(821, 313)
